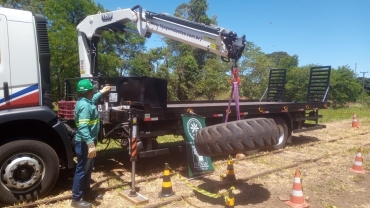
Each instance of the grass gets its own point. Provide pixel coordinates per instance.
(328, 205)
(169, 138)
(358, 178)
(330, 115)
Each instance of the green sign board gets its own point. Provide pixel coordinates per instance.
(197, 164)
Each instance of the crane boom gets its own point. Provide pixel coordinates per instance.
(215, 39)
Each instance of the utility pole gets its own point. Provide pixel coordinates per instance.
(363, 85)
(355, 69)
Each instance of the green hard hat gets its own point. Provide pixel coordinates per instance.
(84, 85)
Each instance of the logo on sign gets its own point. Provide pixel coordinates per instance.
(193, 126)
(107, 16)
(198, 160)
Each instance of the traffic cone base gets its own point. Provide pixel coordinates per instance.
(296, 197)
(304, 204)
(357, 164)
(357, 171)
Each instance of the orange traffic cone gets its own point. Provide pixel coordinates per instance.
(296, 197)
(354, 121)
(357, 164)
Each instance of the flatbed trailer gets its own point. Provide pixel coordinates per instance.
(159, 117)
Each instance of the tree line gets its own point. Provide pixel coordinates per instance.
(192, 73)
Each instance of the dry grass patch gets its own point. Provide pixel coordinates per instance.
(358, 178)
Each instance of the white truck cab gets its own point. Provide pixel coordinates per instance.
(34, 144)
(24, 70)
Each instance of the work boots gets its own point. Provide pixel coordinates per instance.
(92, 196)
(81, 204)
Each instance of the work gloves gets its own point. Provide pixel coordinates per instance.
(92, 150)
(105, 89)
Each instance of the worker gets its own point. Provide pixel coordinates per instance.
(88, 127)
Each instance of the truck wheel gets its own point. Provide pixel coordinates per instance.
(29, 170)
(283, 134)
(236, 137)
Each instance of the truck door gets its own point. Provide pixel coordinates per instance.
(5, 83)
(23, 61)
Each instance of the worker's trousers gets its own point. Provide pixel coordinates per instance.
(82, 177)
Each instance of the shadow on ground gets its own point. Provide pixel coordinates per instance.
(119, 161)
(244, 193)
(299, 140)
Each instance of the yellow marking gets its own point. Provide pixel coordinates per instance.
(215, 46)
(230, 202)
(230, 172)
(166, 172)
(166, 184)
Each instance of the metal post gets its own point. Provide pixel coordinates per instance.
(326, 93)
(133, 134)
(363, 85)
(131, 194)
(133, 190)
(264, 94)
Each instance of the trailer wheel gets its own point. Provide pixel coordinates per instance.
(29, 170)
(236, 137)
(283, 134)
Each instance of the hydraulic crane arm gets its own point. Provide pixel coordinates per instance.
(215, 39)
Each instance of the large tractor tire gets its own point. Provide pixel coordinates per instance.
(29, 170)
(236, 137)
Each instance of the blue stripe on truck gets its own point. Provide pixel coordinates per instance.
(22, 92)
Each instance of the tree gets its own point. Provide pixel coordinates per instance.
(35, 6)
(366, 84)
(283, 60)
(213, 81)
(254, 68)
(296, 86)
(344, 87)
(187, 63)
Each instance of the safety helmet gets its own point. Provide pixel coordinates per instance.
(84, 85)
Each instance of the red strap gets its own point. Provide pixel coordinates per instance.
(235, 72)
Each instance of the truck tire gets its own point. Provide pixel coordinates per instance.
(29, 170)
(236, 137)
(283, 134)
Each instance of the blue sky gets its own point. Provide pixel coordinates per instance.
(322, 32)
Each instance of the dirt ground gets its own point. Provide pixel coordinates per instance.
(327, 182)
